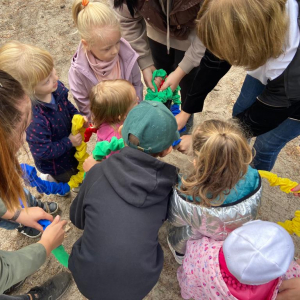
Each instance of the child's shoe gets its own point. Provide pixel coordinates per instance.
(29, 232)
(178, 258)
(76, 189)
(53, 289)
(49, 207)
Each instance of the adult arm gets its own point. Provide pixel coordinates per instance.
(39, 138)
(137, 82)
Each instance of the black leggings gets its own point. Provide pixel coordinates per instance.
(7, 297)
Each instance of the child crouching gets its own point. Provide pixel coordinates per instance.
(121, 205)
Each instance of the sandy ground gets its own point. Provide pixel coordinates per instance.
(48, 24)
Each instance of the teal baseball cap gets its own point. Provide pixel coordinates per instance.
(153, 124)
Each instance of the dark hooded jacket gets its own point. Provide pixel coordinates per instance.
(121, 205)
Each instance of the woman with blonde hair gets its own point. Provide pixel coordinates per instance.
(102, 53)
(262, 36)
(221, 193)
(15, 112)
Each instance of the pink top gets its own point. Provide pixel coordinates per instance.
(200, 277)
(106, 132)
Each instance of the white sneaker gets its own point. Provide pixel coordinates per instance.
(47, 177)
(178, 258)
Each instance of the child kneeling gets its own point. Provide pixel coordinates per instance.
(121, 205)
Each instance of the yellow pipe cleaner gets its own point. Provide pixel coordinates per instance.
(292, 226)
(81, 154)
(285, 184)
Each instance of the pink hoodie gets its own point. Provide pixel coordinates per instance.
(82, 77)
(200, 276)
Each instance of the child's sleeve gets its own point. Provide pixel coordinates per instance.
(293, 271)
(72, 109)
(137, 81)
(38, 136)
(80, 93)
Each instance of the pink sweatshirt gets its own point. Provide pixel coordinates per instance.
(200, 276)
(82, 77)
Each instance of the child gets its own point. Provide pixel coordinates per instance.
(102, 53)
(220, 194)
(249, 265)
(121, 205)
(111, 101)
(49, 135)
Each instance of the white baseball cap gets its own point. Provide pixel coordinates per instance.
(258, 252)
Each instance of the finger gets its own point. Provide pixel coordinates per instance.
(150, 85)
(56, 220)
(38, 227)
(63, 223)
(47, 217)
(165, 85)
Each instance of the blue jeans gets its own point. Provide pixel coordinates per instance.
(269, 144)
(10, 225)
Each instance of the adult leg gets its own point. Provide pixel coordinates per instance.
(251, 89)
(268, 145)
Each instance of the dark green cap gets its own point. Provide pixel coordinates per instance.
(153, 124)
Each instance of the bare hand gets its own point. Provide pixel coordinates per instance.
(182, 119)
(158, 81)
(31, 217)
(53, 235)
(296, 189)
(173, 79)
(89, 163)
(185, 145)
(289, 290)
(147, 74)
(86, 122)
(76, 140)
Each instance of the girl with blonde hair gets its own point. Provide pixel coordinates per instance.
(49, 134)
(102, 53)
(263, 36)
(221, 193)
(111, 101)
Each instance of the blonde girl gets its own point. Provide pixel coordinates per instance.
(220, 194)
(111, 101)
(102, 53)
(49, 134)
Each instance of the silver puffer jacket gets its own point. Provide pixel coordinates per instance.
(192, 221)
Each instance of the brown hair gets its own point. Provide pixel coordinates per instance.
(90, 18)
(11, 97)
(110, 100)
(221, 158)
(26, 63)
(243, 32)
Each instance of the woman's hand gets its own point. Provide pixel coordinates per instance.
(30, 217)
(53, 235)
(147, 74)
(289, 290)
(89, 163)
(185, 144)
(173, 79)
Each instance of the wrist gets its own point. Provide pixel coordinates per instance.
(8, 215)
(46, 246)
(179, 72)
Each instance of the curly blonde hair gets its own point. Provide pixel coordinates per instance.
(243, 32)
(221, 159)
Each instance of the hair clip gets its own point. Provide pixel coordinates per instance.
(85, 2)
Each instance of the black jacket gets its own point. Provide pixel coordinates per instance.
(121, 206)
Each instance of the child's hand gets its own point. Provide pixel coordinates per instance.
(76, 140)
(158, 81)
(296, 189)
(89, 163)
(53, 235)
(86, 122)
(185, 144)
(289, 290)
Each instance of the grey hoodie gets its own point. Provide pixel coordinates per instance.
(121, 206)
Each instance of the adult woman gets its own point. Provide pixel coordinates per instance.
(262, 36)
(162, 32)
(15, 114)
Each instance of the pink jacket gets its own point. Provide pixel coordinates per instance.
(200, 277)
(82, 77)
